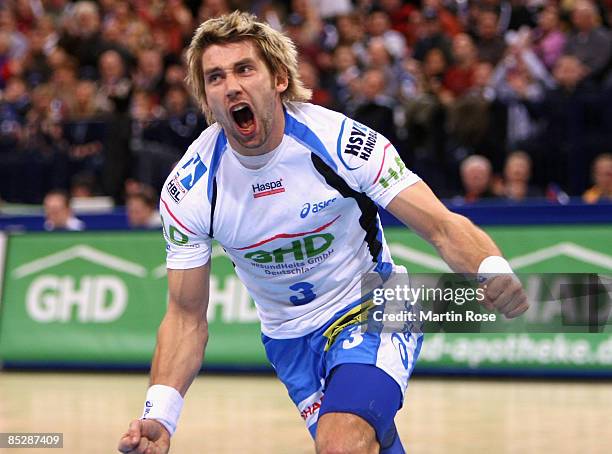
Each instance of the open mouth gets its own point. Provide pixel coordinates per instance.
(244, 118)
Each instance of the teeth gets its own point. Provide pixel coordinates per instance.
(237, 108)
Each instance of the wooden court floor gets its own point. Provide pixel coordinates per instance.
(229, 414)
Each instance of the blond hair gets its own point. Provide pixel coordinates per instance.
(277, 50)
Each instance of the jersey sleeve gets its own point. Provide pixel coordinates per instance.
(186, 247)
(373, 164)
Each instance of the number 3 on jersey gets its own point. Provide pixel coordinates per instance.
(306, 295)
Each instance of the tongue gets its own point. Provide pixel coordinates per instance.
(244, 118)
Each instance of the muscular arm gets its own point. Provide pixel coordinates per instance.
(183, 333)
(459, 242)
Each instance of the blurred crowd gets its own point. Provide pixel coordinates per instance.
(482, 98)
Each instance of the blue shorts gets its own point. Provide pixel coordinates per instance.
(304, 364)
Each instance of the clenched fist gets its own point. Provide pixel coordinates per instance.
(505, 293)
(145, 436)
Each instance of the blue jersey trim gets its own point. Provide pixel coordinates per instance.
(339, 148)
(382, 268)
(220, 147)
(304, 135)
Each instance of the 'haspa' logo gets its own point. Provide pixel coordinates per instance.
(269, 188)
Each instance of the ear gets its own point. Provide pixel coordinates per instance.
(282, 82)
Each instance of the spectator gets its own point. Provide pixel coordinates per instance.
(459, 77)
(602, 177)
(376, 109)
(83, 186)
(433, 37)
(85, 105)
(7, 63)
(310, 77)
(477, 121)
(58, 214)
(13, 110)
(17, 42)
(141, 210)
(548, 39)
(515, 183)
(572, 115)
(379, 57)
(181, 123)
(434, 69)
(82, 36)
(174, 22)
(35, 66)
(349, 29)
(476, 175)
(399, 14)
(113, 39)
(415, 28)
(378, 25)
(345, 72)
(520, 79)
(590, 43)
(490, 44)
(115, 87)
(149, 74)
(449, 22)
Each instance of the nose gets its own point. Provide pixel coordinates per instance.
(232, 86)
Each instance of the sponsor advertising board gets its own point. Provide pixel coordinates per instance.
(98, 299)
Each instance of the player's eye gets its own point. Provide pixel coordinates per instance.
(245, 69)
(213, 78)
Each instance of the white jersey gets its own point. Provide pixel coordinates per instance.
(301, 230)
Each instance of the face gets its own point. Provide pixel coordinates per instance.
(176, 101)
(583, 16)
(434, 63)
(517, 169)
(85, 92)
(463, 47)
(56, 210)
(476, 178)
(344, 58)
(244, 96)
(111, 65)
(373, 83)
(487, 25)
(378, 23)
(568, 71)
(602, 173)
(547, 20)
(138, 213)
(482, 74)
(378, 53)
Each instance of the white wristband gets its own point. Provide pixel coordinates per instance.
(493, 265)
(164, 404)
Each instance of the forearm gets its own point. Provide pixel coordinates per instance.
(459, 242)
(463, 245)
(181, 341)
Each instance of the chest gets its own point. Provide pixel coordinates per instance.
(286, 202)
